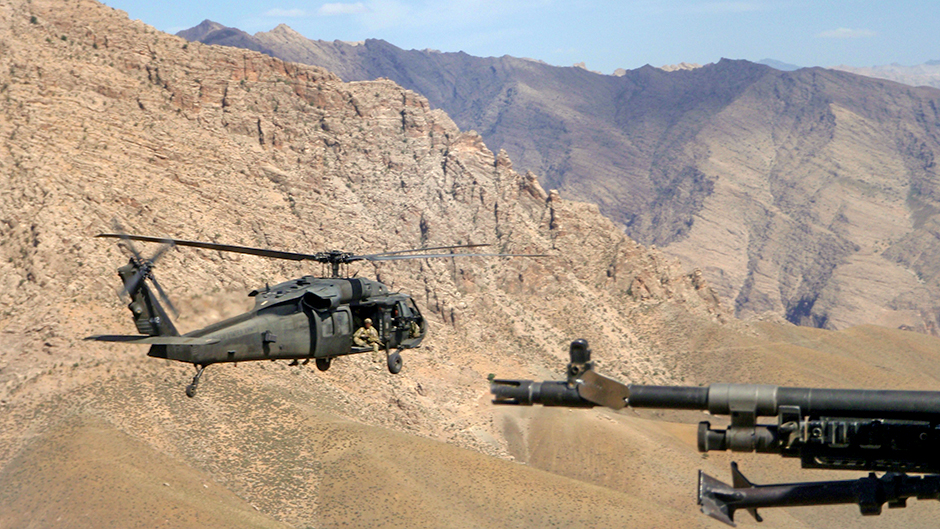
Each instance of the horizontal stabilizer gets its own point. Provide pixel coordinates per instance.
(153, 340)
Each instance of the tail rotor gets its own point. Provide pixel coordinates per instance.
(143, 266)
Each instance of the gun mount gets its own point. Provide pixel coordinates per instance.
(895, 432)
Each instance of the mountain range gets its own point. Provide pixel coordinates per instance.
(808, 194)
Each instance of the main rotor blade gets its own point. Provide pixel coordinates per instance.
(435, 255)
(420, 250)
(321, 257)
(274, 254)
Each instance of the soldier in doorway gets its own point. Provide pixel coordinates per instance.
(367, 336)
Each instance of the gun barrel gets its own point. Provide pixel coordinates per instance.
(527, 393)
(766, 400)
(672, 397)
(862, 402)
(723, 399)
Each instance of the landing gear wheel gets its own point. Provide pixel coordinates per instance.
(191, 389)
(394, 363)
(324, 363)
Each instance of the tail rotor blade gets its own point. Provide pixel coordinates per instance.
(161, 251)
(164, 297)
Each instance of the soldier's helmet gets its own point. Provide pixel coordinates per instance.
(368, 321)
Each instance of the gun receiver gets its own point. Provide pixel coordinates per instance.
(867, 430)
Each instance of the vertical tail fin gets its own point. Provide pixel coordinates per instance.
(149, 316)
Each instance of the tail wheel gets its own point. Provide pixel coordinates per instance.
(324, 363)
(394, 363)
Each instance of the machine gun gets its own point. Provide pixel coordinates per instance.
(895, 432)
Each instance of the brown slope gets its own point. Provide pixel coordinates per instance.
(85, 473)
(789, 189)
(816, 197)
(315, 470)
(270, 437)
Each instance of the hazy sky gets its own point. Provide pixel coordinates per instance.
(604, 34)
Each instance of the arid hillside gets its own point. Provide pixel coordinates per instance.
(808, 194)
(111, 119)
(106, 118)
(103, 118)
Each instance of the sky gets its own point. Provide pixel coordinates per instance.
(605, 35)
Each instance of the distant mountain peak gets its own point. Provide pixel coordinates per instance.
(284, 28)
(209, 32)
(582, 65)
(201, 30)
(779, 65)
(282, 33)
(209, 24)
(680, 66)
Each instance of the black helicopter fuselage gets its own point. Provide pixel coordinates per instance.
(304, 318)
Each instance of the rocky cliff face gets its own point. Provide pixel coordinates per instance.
(104, 118)
(789, 190)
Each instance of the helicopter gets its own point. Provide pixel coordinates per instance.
(302, 319)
